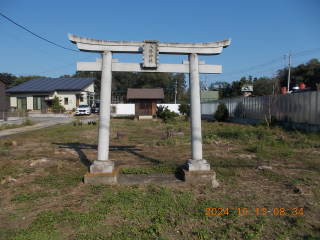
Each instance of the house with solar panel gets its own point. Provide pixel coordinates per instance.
(3, 82)
(36, 95)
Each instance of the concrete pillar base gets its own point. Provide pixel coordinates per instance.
(197, 165)
(102, 178)
(99, 166)
(200, 176)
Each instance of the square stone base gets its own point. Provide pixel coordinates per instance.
(200, 176)
(198, 167)
(145, 117)
(102, 167)
(102, 178)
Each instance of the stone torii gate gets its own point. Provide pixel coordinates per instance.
(103, 168)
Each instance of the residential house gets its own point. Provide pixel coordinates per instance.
(3, 82)
(36, 95)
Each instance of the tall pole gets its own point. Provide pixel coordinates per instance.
(285, 57)
(175, 95)
(196, 162)
(196, 142)
(103, 164)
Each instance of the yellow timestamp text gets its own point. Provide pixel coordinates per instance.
(258, 211)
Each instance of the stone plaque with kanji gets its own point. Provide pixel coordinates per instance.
(150, 53)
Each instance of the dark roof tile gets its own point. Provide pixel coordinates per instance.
(145, 93)
(52, 84)
(4, 79)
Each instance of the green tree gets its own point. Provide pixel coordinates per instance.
(262, 86)
(186, 96)
(308, 74)
(177, 81)
(184, 109)
(224, 89)
(237, 85)
(165, 114)
(56, 104)
(222, 112)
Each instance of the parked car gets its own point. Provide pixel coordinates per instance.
(83, 109)
(95, 107)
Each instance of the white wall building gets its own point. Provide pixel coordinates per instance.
(37, 94)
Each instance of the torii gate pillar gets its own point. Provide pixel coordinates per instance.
(196, 162)
(103, 164)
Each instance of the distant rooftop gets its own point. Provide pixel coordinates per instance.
(145, 93)
(52, 84)
(4, 79)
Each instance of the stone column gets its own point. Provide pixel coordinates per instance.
(103, 164)
(196, 162)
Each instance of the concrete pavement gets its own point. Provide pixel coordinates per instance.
(44, 122)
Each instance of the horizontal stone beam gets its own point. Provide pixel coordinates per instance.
(137, 67)
(93, 45)
(138, 49)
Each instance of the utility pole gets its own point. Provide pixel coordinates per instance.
(205, 82)
(175, 95)
(285, 57)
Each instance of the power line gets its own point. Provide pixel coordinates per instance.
(55, 68)
(34, 47)
(38, 35)
(307, 52)
(278, 67)
(256, 67)
(298, 54)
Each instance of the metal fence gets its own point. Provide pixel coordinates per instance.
(301, 108)
(13, 117)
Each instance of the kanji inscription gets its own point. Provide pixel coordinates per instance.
(150, 53)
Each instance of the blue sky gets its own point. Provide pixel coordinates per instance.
(260, 30)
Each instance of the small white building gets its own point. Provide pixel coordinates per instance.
(36, 95)
(247, 90)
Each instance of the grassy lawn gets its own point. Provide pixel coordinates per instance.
(42, 195)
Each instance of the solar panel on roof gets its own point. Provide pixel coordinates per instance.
(52, 84)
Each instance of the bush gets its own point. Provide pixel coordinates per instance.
(56, 104)
(113, 109)
(184, 109)
(165, 114)
(28, 122)
(222, 112)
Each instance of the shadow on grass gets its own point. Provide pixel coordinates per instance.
(78, 147)
(134, 151)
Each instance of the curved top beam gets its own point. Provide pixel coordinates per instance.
(93, 45)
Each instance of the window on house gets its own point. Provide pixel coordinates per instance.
(81, 99)
(37, 102)
(22, 102)
(66, 101)
(148, 105)
(142, 105)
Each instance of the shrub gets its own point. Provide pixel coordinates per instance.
(56, 104)
(113, 109)
(28, 122)
(184, 109)
(165, 114)
(222, 112)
